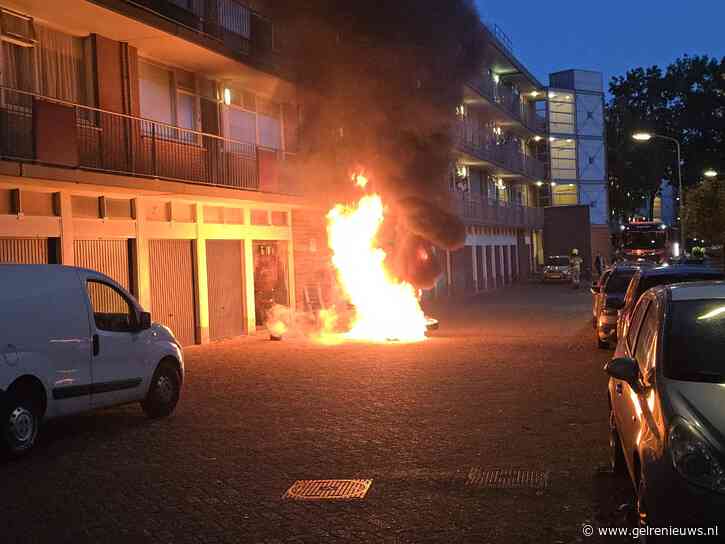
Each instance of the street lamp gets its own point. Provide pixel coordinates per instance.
(710, 173)
(646, 137)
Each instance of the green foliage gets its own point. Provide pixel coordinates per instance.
(687, 102)
(704, 215)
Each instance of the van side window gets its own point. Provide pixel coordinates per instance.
(111, 310)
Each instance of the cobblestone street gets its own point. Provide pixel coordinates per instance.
(512, 380)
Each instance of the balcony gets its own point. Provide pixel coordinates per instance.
(474, 141)
(499, 214)
(509, 102)
(46, 131)
(228, 24)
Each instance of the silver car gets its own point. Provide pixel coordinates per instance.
(667, 405)
(557, 268)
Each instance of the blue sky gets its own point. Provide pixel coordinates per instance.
(610, 36)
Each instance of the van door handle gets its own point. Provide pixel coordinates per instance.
(96, 345)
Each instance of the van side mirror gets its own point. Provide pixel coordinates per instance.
(144, 321)
(625, 369)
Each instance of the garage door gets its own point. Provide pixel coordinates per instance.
(225, 280)
(24, 250)
(110, 257)
(172, 287)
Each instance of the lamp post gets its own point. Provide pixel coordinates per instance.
(646, 137)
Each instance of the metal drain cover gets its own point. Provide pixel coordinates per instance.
(507, 479)
(328, 490)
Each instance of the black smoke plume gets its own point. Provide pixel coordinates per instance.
(379, 83)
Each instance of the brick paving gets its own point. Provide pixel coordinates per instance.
(512, 380)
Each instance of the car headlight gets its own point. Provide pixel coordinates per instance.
(694, 459)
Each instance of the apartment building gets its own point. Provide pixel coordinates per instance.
(150, 140)
(523, 146)
(500, 173)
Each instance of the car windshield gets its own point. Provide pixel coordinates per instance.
(619, 281)
(644, 240)
(695, 339)
(557, 261)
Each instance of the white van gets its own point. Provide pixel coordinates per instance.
(73, 340)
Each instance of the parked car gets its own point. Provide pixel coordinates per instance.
(667, 424)
(73, 340)
(557, 268)
(597, 286)
(609, 299)
(646, 278)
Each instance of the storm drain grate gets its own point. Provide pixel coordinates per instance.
(328, 490)
(507, 479)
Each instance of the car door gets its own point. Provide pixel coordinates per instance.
(629, 302)
(624, 399)
(117, 364)
(599, 295)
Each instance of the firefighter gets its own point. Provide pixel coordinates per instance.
(576, 268)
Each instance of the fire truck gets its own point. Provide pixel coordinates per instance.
(648, 240)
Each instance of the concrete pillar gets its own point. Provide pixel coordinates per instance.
(484, 267)
(142, 265)
(494, 268)
(250, 311)
(202, 281)
(475, 268)
(67, 254)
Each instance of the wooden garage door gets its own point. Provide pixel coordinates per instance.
(110, 257)
(172, 287)
(24, 250)
(225, 280)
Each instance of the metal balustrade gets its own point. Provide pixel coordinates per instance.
(45, 130)
(475, 141)
(499, 214)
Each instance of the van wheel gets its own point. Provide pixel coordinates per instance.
(20, 422)
(163, 393)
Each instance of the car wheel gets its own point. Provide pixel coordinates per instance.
(163, 393)
(20, 422)
(617, 463)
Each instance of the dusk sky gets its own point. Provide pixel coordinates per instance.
(610, 37)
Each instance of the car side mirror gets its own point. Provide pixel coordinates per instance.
(144, 321)
(625, 369)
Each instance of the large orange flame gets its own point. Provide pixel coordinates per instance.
(385, 307)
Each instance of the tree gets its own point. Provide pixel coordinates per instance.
(704, 213)
(686, 102)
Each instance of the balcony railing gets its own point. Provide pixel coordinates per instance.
(54, 132)
(473, 140)
(509, 101)
(500, 214)
(229, 22)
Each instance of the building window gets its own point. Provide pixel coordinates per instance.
(58, 67)
(564, 194)
(252, 120)
(168, 97)
(563, 159)
(156, 93)
(561, 113)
